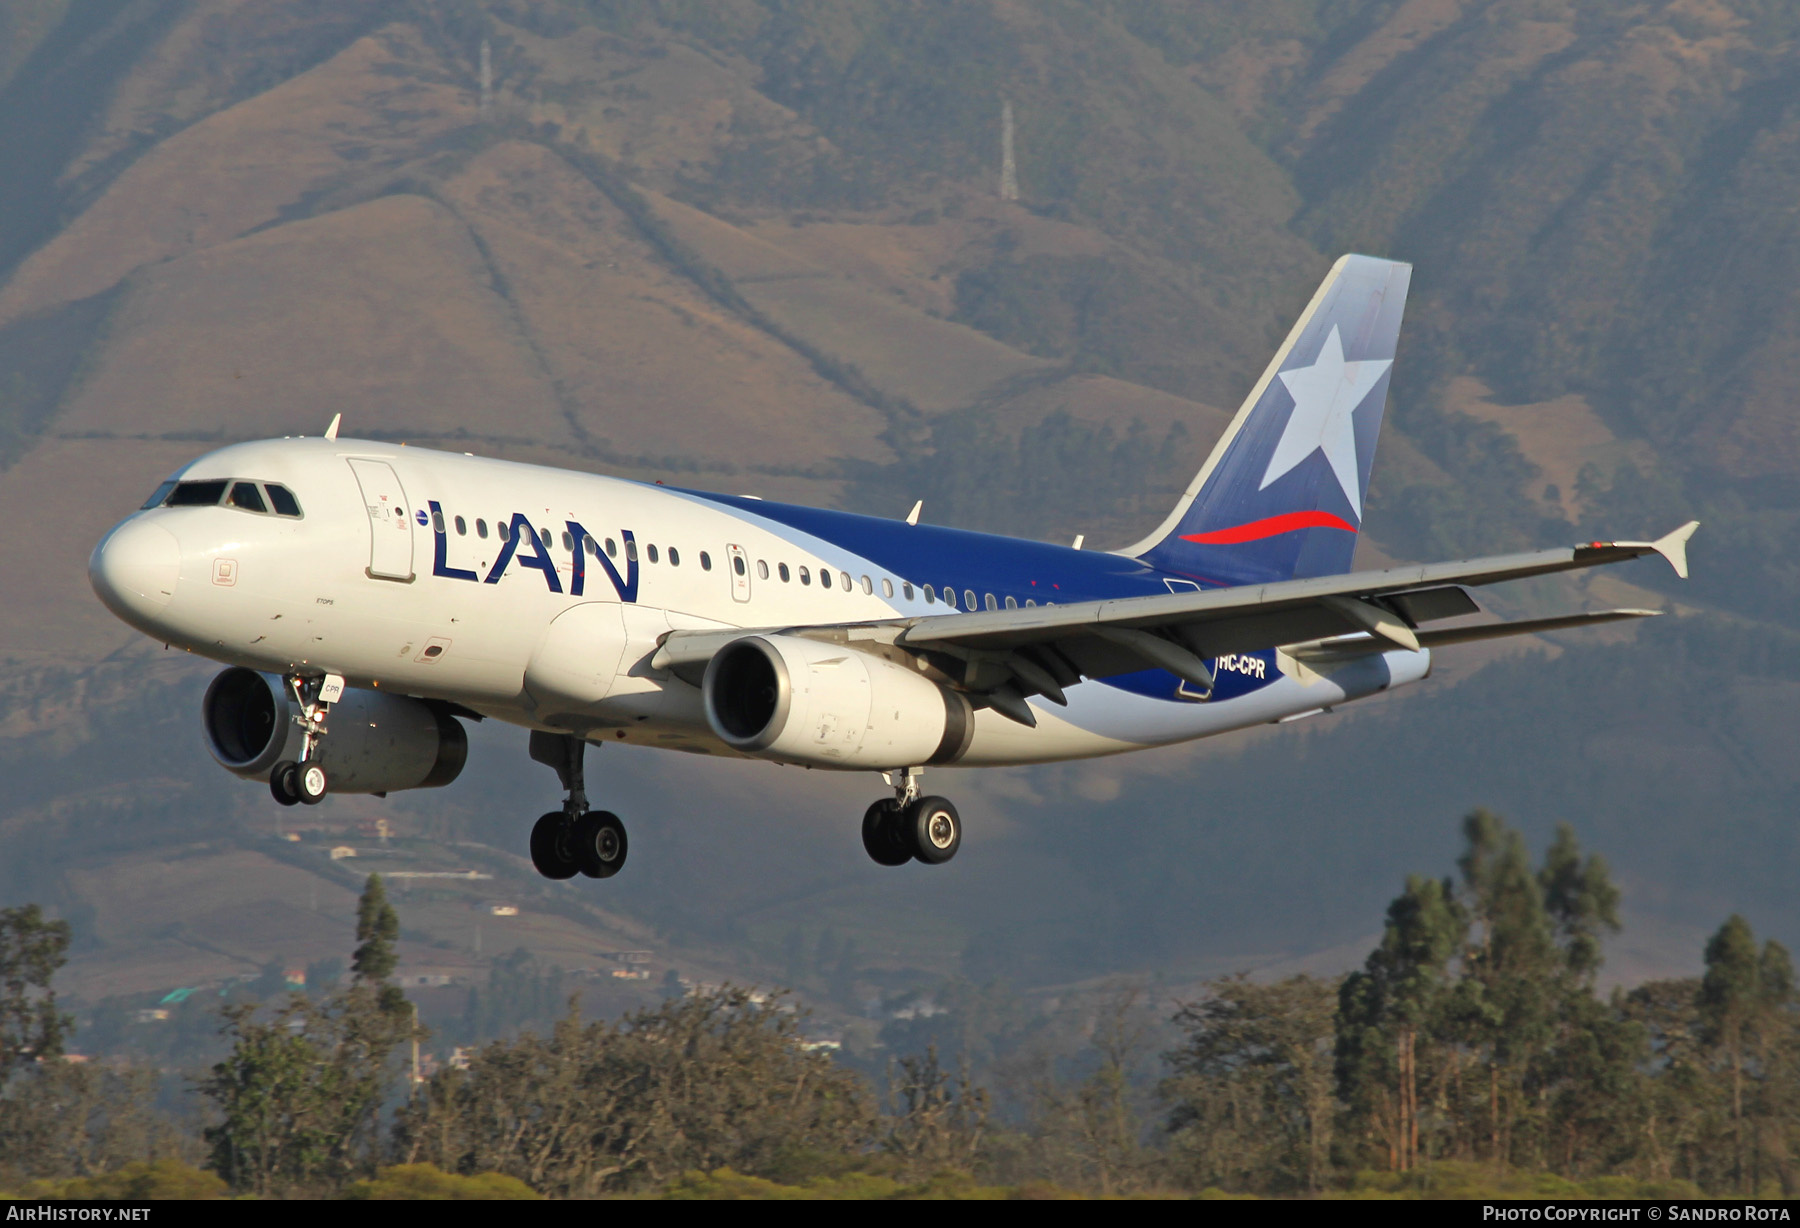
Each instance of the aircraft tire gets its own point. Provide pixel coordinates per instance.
(599, 844)
(883, 839)
(311, 783)
(282, 784)
(933, 828)
(551, 855)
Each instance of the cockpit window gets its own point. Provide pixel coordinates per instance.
(197, 494)
(260, 498)
(283, 499)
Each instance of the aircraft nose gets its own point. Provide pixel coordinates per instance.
(134, 569)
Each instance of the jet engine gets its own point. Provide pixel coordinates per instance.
(809, 701)
(374, 743)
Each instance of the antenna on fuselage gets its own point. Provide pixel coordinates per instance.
(331, 431)
(912, 517)
(1079, 538)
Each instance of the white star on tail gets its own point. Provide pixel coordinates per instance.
(1326, 395)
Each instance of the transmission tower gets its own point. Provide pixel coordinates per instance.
(1009, 171)
(487, 79)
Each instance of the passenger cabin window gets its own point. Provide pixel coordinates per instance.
(705, 561)
(246, 496)
(567, 541)
(805, 575)
(502, 530)
(969, 599)
(1011, 604)
(844, 579)
(481, 529)
(887, 587)
(612, 548)
(544, 536)
(930, 595)
(437, 520)
(156, 500)
(949, 596)
(762, 569)
(781, 569)
(674, 557)
(868, 588)
(197, 494)
(651, 551)
(906, 589)
(462, 527)
(631, 550)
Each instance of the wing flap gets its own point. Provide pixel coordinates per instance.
(1323, 653)
(1253, 617)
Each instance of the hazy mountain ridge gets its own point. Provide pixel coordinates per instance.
(761, 244)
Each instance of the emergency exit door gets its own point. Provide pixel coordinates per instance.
(390, 528)
(740, 572)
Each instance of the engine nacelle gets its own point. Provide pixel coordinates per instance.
(374, 743)
(807, 701)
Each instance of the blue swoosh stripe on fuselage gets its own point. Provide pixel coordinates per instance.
(985, 562)
(988, 563)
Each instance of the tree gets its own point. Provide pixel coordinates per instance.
(31, 950)
(937, 1123)
(1385, 1009)
(1746, 1010)
(1251, 1092)
(300, 1093)
(1093, 1131)
(377, 930)
(1581, 899)
(710, 1080)
(1730, 994)
(1508, 995)
(80, 1119)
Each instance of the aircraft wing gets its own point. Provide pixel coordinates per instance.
(1008, 654)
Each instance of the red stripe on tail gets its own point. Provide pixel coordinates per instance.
(1256, 530)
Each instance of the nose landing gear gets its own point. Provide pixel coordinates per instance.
(910, 826)
(574, 840)
(307, 781)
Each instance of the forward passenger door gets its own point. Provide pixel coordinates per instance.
(390, 526)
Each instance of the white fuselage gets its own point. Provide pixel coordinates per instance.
(364, 584)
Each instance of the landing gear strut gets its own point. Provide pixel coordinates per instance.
(910, 825)
(573, 840)
(307, 781)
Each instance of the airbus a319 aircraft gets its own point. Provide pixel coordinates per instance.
(369, 598)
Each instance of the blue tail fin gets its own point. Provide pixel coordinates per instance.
(1281, 496)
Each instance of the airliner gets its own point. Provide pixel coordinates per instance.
(369, 598)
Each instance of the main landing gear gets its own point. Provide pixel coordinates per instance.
(573, 840)
(306, 781)
(911, 826)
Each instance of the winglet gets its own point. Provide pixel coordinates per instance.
(1673, 546)
(331, 431)
(912, 517)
